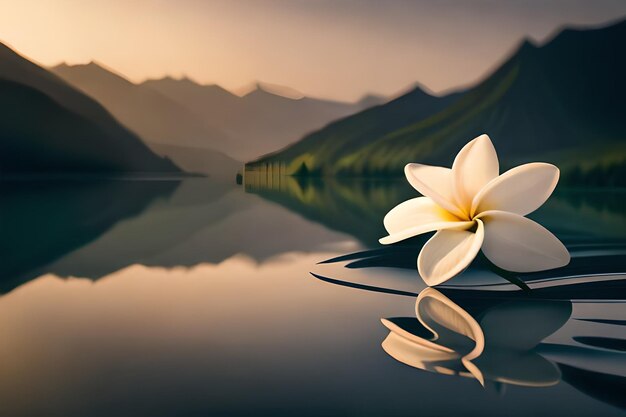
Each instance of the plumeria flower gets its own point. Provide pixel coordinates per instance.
(471, 207)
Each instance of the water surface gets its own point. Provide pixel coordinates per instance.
(193, 297)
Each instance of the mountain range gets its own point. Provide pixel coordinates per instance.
(167, 127)
(182, 113)
(49, 127)
(262, 120)
(562, 102)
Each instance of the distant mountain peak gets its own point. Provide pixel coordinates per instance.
(370, 100)
(420, 89)
(60, 65)
(174, 80)
(8, 52)
(569, 30)
(260, 88)
(186, 81)
(5, 46)
(529, 43)
(92, 67)
(91, 64)
(566, 32)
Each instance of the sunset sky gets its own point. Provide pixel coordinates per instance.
(334, 49)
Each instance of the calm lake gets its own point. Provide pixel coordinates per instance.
(192, 297)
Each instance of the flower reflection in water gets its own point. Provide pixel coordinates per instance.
(496, 346)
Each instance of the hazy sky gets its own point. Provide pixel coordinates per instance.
(337, 49)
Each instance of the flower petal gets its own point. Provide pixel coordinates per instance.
(518, 244)
(415, 212)
(520, 190)
(416, 216)
(418, 230)
(436, 183)
(474, 166)
(448, 253)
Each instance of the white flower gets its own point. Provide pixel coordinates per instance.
(472, 207)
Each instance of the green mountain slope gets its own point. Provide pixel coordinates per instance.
(46, 126)
(562, 102)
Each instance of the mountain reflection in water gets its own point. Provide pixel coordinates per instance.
(92, 229)
(357, 207)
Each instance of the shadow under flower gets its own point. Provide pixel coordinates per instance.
(599, 274)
